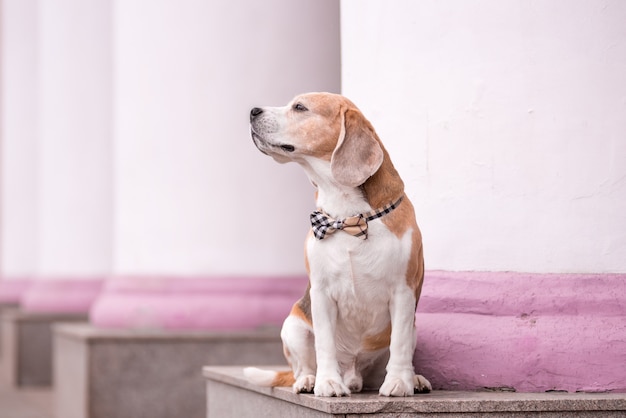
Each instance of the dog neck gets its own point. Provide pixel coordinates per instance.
(340, 201)
(335, 199)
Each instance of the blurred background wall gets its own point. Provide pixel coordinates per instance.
(125, 145)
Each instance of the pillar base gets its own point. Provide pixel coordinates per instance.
(11, 290)
(522, 331)
(111, 373)
(61, 295)
(196, 303)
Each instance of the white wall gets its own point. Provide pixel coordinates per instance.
(18, 176)
(193, 196)
(507, 120)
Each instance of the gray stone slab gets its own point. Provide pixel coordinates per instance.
(230, 395)
(27, 345)
(6, 307)
(109, 373)
(224, 400)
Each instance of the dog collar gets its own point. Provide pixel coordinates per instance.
(322, 224)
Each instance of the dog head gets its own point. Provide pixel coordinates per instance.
(320, 129)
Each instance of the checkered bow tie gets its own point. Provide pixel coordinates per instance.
(323, 224)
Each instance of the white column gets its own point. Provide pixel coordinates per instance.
(18, 147)
(193, 195)
(75, 155)
(194, 199)
(74, 168)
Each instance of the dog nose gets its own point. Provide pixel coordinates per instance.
(255, 112)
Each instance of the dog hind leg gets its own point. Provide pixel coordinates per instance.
(422, 385)
(299, 345)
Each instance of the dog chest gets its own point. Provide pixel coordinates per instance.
(360, 273)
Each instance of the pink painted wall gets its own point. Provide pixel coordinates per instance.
(521, 331)
(57, 294)
(12, 289)
(197, 303)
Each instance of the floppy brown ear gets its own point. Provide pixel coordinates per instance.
(357, 155)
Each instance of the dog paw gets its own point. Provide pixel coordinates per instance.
(331, 387)
(422, 385)
(396, 386)
(304, 384)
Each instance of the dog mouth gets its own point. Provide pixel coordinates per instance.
(262, 144)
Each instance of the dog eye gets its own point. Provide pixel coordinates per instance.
(299, 107)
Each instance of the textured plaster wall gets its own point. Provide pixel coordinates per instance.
(507, 121)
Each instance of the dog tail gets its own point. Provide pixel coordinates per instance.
(269, 377)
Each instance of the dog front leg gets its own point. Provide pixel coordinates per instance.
(401, 379)
(328, 381)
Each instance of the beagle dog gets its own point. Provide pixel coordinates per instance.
(363, 254)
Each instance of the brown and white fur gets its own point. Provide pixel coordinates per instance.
(358, 312)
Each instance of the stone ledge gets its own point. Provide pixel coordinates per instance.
(90, 333)
(119, 373)
(27, 345)
(222, 380)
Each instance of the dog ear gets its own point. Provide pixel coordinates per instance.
(357, 155)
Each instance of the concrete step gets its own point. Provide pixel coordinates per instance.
(121, 373)
(27, 345)
(230, 395)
